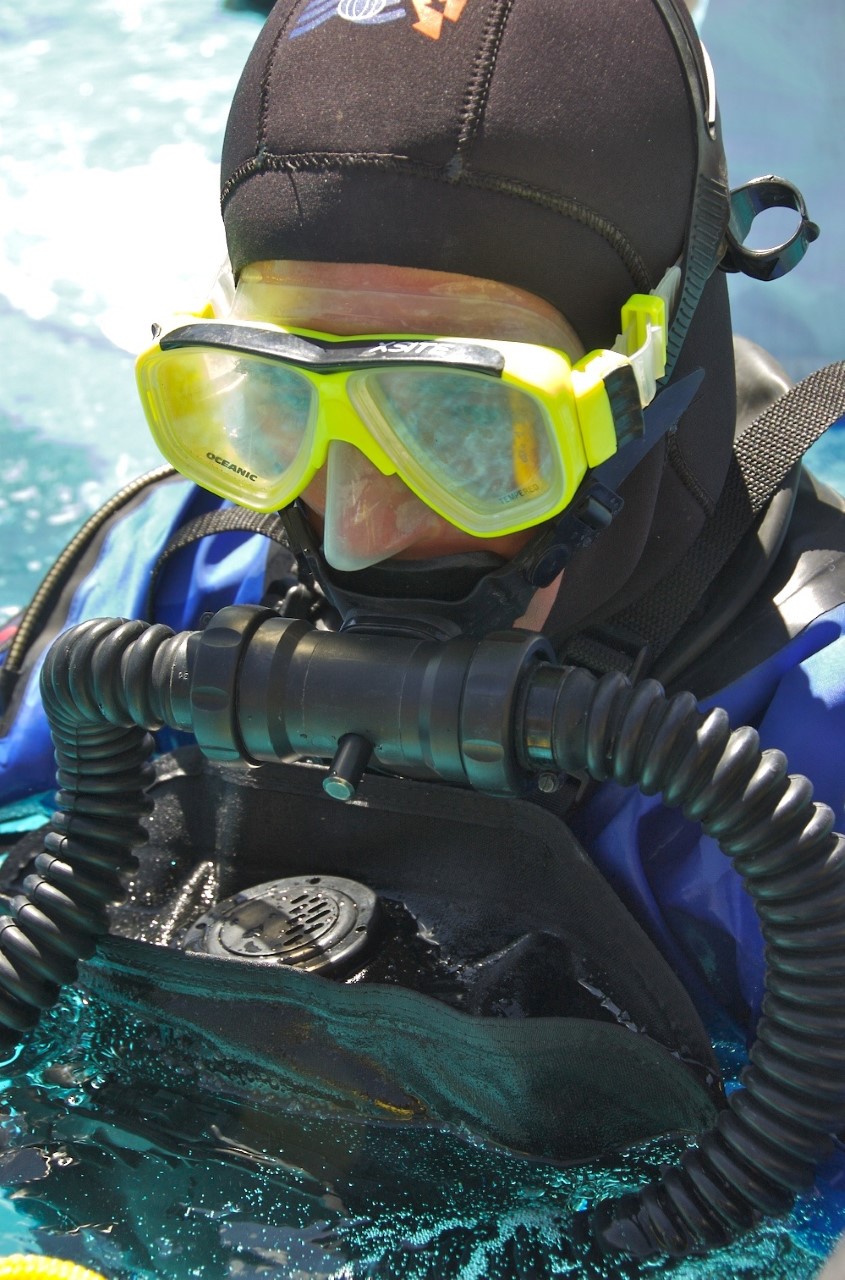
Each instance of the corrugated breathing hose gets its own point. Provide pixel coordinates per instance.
(490, 714)
(103, 770)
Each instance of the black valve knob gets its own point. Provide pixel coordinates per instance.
(347, 768)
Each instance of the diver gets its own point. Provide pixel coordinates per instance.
(469, 369)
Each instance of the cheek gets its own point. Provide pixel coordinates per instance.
(314, 496)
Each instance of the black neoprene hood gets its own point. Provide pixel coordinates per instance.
(547, 145)
(555, 145)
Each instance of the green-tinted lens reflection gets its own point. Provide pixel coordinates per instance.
(265, 410)
(476, 437)
(251, 412)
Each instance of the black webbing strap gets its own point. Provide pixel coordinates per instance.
(763, 457)
(223, 520)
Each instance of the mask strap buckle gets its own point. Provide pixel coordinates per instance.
(597, 501)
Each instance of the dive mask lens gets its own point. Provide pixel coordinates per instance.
(480, 451)
(237, 424)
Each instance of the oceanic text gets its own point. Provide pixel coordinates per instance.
(232, 466)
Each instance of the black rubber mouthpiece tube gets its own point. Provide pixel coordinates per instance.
(488, 714)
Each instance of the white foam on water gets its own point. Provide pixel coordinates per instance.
(111, 119)
(130, 246)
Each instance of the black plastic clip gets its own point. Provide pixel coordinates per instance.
(746, 203)
(594, 507)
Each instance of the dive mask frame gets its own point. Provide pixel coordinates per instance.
(586, 411)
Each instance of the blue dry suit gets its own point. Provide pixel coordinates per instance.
(676, 882)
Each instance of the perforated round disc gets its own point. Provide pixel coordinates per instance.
(305, 922)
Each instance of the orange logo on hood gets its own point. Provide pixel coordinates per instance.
(430, 15)
(373, 13)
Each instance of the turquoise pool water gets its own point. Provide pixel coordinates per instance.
(111, 117)
(106, 1162)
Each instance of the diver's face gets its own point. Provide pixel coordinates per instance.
(364, 516)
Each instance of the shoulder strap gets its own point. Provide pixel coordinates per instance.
(222, 520)
(762, 459)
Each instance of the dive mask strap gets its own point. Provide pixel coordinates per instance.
(708, 217)
(597, 503)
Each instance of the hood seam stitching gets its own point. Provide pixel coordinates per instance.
(480, 80)
(340, 161)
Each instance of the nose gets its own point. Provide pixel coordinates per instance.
(367, 516)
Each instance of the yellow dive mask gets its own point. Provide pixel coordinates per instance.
(493, 436)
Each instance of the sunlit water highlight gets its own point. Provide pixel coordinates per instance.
(111, 120)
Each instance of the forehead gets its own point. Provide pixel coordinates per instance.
(355, 298)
